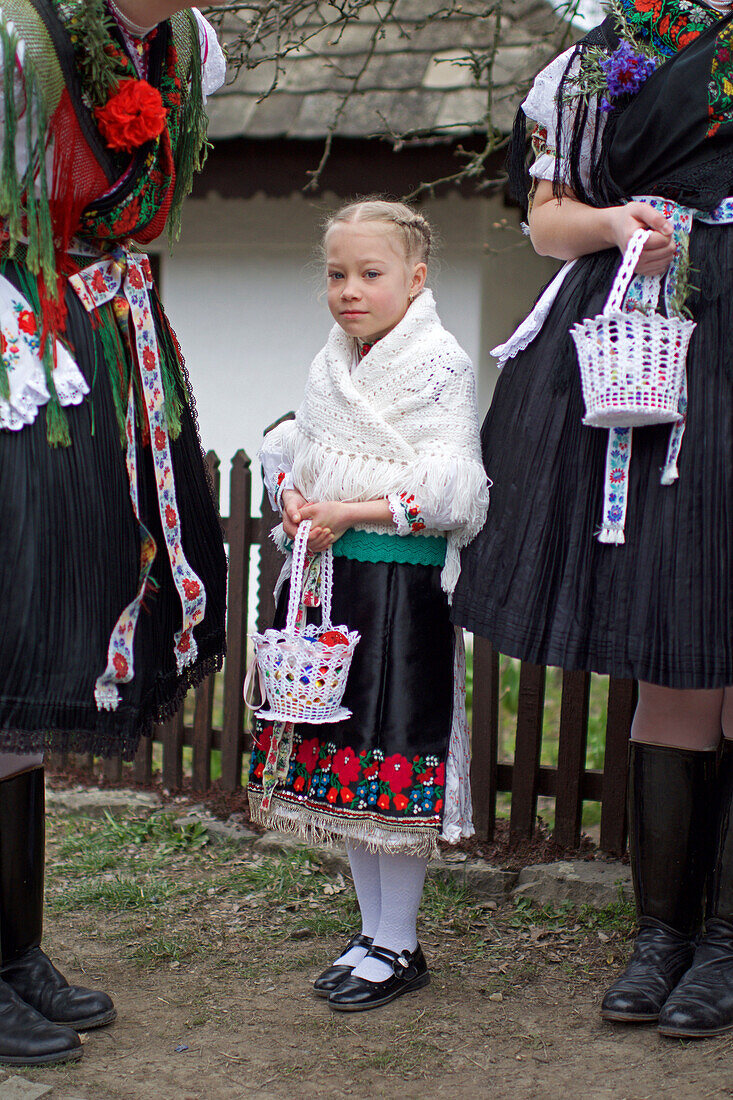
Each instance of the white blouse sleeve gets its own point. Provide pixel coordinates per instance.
(541, 107)
(212, 56)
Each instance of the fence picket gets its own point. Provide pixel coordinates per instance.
(171, 734)
(621, 705)
(204, 703)
(527, 751)
(142, 768)
(238, 530)
(571, 757)
(484, 737)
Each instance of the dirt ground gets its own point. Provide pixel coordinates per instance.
(209, 952)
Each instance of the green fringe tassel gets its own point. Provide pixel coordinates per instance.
(19, 202)
(192, 147)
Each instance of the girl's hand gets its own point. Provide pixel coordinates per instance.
(330, 518)
(292, 502)
(659, 249)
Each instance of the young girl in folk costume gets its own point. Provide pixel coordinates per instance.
(614, 551)
(383, 459)
(104, 498)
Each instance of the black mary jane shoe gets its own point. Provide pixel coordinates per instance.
(333, 976)
(410, 972)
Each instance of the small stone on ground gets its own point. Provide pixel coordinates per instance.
(17, 1088)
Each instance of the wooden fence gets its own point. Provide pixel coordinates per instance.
(570, 783)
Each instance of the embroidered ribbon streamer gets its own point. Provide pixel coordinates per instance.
(124, 277)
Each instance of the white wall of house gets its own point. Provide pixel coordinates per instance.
(242, 292)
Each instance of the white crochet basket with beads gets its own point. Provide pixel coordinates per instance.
(304, 678)
(632, 365)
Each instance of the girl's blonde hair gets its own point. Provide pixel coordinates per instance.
(414, 231)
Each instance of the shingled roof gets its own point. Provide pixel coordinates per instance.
(417, 79)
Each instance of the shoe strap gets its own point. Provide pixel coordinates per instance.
(401, 963)
(358, 940)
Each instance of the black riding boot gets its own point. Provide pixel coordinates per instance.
(25, 968)
(702, 1003)
(671, 828)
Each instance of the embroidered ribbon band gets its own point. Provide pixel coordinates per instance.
(124, 278)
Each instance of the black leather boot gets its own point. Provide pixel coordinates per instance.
(702, 1003)
(670, 836)
(24, 967)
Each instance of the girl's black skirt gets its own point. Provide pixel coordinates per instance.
(536, 581)
(379, 776)
(70, 564)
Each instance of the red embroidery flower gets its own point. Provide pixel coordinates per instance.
(423, 777)
(400, 802)
(396, 772)
(440, 774)
(346, 765)
(149, 359)
(371, 771)
(185, 643)
(120, 665)
(191, 588)
(346, 795)
(133, 115)
(259, 770)
(332, 795)
(299, 783)
(171, 518)
(159, 439)
(27, 322)
(439, 805)
(383, 801)
(136, 279)
(264, 740)
(98, 283)
(308, 754)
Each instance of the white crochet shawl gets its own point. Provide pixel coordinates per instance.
(405, 419)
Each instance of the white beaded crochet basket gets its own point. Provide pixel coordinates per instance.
(303, 677)
(632, 365)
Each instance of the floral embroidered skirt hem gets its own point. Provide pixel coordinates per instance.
(378, 777)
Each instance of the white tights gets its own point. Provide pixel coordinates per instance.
(388, 889)
(690, 719)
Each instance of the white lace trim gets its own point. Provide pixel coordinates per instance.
(20, 352)
(458, 809)
(523, 336)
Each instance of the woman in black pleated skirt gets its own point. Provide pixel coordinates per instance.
(640, 139)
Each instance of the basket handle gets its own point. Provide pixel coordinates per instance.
(300, 548)
(626, 271)
(296, 576)
(254, 677)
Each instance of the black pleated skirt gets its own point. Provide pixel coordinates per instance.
(536, 581)
(378, 776)
(70, 564)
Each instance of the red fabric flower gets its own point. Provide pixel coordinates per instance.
(308, 754)
(264, 740)
(171, 518)
(136, 279)
(346, 795)
(159, 439)
(396, 772)
(383, 801)
(423, 777)
(27, 322)
(400, 802)
(259, 770)
(371, 771)
(133, 115)
(185, 643)
(332, 795)
(346, 765)
(299, 783)
(120, 665)
(440, 774)
(439, 805)
(148, 359)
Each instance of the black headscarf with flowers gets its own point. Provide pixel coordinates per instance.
(665, 96)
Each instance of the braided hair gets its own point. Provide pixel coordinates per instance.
(414, 230)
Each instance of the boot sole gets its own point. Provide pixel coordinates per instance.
(412, 987)
(679, 1033)
(44, 1059)
(102, 1020)
(628, 1017)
